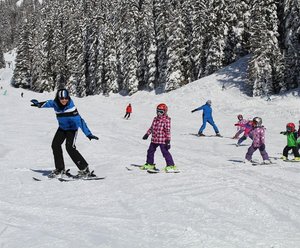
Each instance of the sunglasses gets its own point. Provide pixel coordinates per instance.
(64, 98)
(160, 112)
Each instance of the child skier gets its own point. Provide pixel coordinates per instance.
(240, 126)
(69, 121)
(207, 117)
(128, 111)
(161, 136)
(292, 142)
(248, 126)
(258, 135)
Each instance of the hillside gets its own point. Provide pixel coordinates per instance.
(214, 202)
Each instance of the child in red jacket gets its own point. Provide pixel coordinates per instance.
(128, 111)
(161, 136)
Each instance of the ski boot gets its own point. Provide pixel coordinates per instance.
(171, 169)
(85, 173)
(218, 135)
(148, 167)
(284, 158)
(201, 134)
(56, 173)
(267, 161)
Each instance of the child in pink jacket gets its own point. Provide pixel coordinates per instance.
(161, 136)
(240, 126)
(258, 136)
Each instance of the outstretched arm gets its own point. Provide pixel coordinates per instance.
(45, 104)
(197, 109)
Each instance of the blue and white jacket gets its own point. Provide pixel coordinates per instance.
(68, 117)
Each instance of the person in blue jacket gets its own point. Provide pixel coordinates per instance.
(69, 121)
(207, 117)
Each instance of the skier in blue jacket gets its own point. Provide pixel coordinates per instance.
(69, 121)
(207, 117)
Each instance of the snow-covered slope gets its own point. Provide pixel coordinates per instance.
(213, 202)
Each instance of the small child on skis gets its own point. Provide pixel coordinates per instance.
(248, 126)
(161, 136)
(240, 126)
(292, 142)
(128, 111)
(258, 135)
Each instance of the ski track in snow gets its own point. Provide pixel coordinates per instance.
(213, 202)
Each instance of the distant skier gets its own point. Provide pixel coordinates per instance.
(22, 94)
(207, 117)
(240, 127)
(292, 142)
(258, 134)
(248, 127)
(128, 111)
(69, 121)
(161, 136)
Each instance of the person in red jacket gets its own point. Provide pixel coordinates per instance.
(128, 111)
(161, 136)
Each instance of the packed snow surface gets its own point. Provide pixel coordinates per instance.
(216, 201)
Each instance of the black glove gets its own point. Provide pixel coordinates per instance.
(168, 145)
(282, 132)
(145, 136)
(193, 111)
(92, 137)
(35, 103)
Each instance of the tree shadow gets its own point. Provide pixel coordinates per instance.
(235, 76)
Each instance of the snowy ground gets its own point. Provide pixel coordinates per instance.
(214, 201)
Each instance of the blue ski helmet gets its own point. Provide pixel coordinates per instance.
(63, 94)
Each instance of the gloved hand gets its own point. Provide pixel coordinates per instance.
(194, 110)
(236, 124)
(92, 137)
(35, 103)
(282, 132)
(145, 136)
(168, 145)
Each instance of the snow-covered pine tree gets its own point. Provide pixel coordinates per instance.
(215, 37)
(160, 19)
(265, 71)
(176, 48)
(46, 79)
(23, 63)
(107, 72)
(291, 41)
(74, 52)
(198, 50)
(129, 49)
(2, 61)
(150, 46)
(60, 15)
(238, 30)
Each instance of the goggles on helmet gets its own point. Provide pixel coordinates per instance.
(160, 112)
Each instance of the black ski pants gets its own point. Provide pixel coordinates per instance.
(70, 137)
(294, 149)
(127, 115)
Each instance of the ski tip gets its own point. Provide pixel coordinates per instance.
(36, 179)
(153, 171)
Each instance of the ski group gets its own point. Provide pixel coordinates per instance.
(256, 131)
(69, 121)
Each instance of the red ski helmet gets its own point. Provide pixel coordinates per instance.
(290, 127)
(161, 109)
